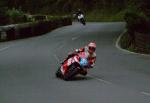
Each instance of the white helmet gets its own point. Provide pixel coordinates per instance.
(91, 47)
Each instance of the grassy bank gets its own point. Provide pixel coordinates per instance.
(105, 16)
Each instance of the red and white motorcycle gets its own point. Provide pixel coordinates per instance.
(77, 64)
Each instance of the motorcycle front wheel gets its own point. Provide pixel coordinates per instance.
(58, 73)
(73, 70)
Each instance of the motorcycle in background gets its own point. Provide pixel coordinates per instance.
(81, 19)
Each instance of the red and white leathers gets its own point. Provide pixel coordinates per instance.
(90, 56)
(68, 62)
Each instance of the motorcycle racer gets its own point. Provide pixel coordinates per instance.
(88, 52)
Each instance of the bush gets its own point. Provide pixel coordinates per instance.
(3, 18)
(125, 41)
(138, 27)
(13, 13)
(137, 21)
(15, 16)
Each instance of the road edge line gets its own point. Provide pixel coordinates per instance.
(125, 50)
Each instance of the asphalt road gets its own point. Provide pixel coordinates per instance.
(27, 68)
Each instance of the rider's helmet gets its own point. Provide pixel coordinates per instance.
(91, 47)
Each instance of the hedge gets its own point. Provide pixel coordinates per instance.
(18, 31)
(137, 37)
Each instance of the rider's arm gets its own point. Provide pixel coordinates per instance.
(75, 52)
(79, 50)
(92, 62)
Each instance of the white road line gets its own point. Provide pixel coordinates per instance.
(124, 50)
(107, 82)
(146, 93)
(61, 46)
(101, 80)
(4, 48)
(74, 38)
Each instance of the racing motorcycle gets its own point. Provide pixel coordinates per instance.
(77, 64)
(81, 19)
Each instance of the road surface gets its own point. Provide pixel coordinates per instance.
(27, 68)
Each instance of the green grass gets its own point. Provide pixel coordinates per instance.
(105, 16)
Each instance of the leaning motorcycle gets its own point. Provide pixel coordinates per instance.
(78, 64)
